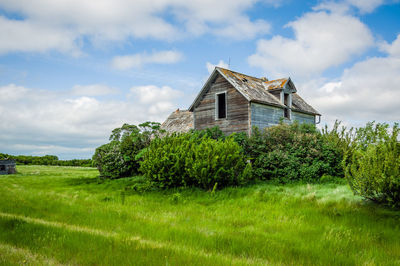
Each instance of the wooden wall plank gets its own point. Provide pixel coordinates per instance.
(237, 109)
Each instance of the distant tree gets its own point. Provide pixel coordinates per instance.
(121, 157)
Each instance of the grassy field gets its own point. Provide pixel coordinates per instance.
(65, 215)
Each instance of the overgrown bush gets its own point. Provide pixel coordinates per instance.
(292, 152)
(213, 133)
(110, 161)
(121, 157)
(183, 160)
(372, 163)
(216, 133)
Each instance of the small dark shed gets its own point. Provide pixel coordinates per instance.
(7, 167)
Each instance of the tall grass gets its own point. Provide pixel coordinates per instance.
(65, 215)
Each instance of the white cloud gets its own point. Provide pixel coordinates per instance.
(60, 25)
(93, 90)
(210, 67)
(364, 6)
(138, 60)
(152, 94)
(392, 49)
(71, 125)
(367, 91)
(322, 40)
(243, 28)
(12, 93)
(27, 36)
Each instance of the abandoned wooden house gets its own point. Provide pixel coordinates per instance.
(236, 103)
(7, 167)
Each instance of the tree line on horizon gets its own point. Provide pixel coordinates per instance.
(45, 160)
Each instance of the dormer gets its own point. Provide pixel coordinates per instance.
(286, 98)
(282, 89)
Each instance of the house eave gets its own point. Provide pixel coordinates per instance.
(210, 78)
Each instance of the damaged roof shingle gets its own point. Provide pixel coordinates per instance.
(179, 121)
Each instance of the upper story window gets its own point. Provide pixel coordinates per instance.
(286, 99)
(287, 103)
(220, 107)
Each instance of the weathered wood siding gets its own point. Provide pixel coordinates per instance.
(237, 116)
(263, 116)
(303, 118)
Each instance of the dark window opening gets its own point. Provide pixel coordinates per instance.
(244, 80)
(286, 102)
(286, 113)
(2, 167)
(286, 99)
(221, 106)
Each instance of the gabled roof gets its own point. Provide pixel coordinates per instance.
(179, 121)
(257, 90)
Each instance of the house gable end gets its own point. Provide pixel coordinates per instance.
(289, 87)
(214, 75)
(207, 110)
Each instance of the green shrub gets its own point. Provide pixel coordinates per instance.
(213, 133)
(182, 160)
(372, 163)
(110, 162)
(121, 157)
(293, 152)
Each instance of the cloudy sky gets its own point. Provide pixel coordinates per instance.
(71, 71)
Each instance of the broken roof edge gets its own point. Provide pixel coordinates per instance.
(178, 121)
(287, 81)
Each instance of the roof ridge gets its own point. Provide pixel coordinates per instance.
(238, 73)
(251, 76)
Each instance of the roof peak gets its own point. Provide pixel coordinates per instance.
(263, 79)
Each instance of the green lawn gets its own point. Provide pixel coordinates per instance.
(65, 215)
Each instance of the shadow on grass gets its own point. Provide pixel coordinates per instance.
(126, 185)
(82, 181)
